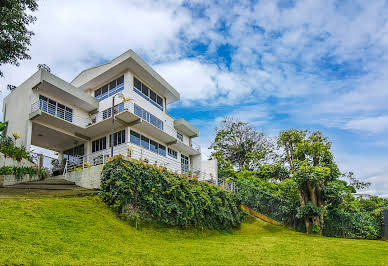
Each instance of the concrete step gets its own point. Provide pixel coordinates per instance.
(51, 181)
(45, 186)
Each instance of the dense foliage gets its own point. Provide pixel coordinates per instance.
(15, 16)
(143, 191)
(344, 216)
(240, 144)
(303, 187)
(9, 149)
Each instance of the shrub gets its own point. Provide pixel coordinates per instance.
(157, 195)
(19, 172)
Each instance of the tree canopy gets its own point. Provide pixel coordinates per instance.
(241, 144)
(15, 37)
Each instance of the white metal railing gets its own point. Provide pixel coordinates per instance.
(100, 116)
(135, 152)
(61, 113)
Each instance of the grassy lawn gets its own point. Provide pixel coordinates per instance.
(82, 230)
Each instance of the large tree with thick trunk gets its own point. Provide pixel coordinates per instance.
(312, 166)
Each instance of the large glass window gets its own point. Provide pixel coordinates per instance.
(179, 136)
(54, 108)
(147, 93)
(162, 150)
(172, 153)
(74, 153)
(140, 112)
(147, 143)
(99, 144)
(118, 138)
(135, 137)
(153, 146)
(108, 112)
(184, 163)
(110, 89)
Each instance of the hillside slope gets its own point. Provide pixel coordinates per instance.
(82, 230)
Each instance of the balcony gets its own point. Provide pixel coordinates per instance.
(126, 114)
(58, 115)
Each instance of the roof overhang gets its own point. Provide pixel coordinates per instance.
(46, 82)
(186, 128)
(96, 76)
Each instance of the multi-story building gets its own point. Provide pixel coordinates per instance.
(75, 119)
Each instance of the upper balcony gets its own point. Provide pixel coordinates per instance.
(49, 112)
(128, 61)
(47, 83)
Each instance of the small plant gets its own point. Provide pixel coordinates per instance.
(43, 173)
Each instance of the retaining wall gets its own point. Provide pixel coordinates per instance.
(87, 178)
(8, 180)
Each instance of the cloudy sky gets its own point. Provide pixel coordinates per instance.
(313, 64)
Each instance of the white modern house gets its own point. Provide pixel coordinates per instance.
(75, 119)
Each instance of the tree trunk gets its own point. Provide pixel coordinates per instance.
(302, 204)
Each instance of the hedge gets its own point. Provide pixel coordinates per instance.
(155, 194)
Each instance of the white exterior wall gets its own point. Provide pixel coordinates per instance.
(16, 110)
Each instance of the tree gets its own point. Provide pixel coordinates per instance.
(14, 35)
(241, 144)
(312, 166)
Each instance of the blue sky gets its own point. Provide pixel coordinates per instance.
(277, 64)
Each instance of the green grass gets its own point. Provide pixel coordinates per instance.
(82, 230)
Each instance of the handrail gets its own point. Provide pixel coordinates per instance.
(135, 152)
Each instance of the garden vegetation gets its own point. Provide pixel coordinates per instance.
(142, 191)
(295, 180)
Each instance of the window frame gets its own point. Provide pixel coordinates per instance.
(148, 95)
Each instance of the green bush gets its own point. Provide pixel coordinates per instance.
(157, 195)
(9, 149)
(19, 172)
(360, 224)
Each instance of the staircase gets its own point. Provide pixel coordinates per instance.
(54, 183)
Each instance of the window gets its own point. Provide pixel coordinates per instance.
(135, 137)
(153, 120)
(153, 146)
(162, 150)
(110, 89)
(54, 108)
(99, 144)
(148, 94)
(108, 112)
(118, 138)
(147, 143)
(74, 153)
(179, 136)
(172, 153)
(184, 163)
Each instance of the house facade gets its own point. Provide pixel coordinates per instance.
(75, 119)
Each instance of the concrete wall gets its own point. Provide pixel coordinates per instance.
(9, 180)
(16, 110)
(86, 178)
(210, 167)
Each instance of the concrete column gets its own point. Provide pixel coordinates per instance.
(385, 228)
(28, 136)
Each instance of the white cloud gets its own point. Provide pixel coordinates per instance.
(371, 124)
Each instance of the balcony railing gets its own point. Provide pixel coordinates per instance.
(84, 122)
(62, 113)
(133, 151)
